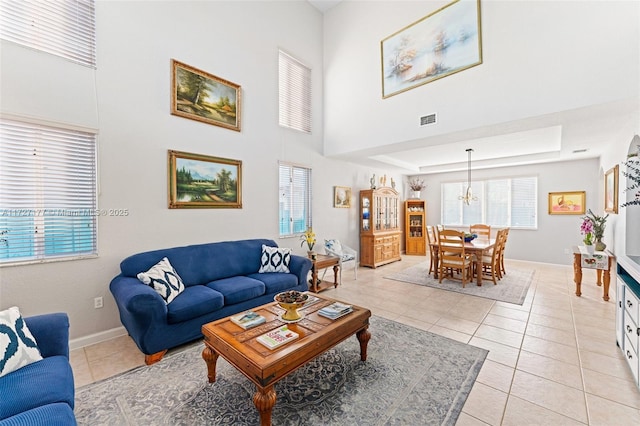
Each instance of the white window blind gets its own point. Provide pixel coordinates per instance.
(63, 27)
(294, 199)
(510, 202)
(47, 192)
(294, 93)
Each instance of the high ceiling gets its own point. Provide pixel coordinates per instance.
(562, 136)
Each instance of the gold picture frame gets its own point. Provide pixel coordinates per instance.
(442, 43)
(611, 190)
(342, 197)
(567, 202)
(202, 181)
(201, 96)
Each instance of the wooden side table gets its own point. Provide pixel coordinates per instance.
(323, 261)
(577, 272)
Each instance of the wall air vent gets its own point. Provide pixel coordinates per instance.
(428, 119)
(579, 151)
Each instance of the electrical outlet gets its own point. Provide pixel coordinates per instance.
(97, 302)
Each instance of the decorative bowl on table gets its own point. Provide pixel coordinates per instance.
(291, 301)
(470, 237)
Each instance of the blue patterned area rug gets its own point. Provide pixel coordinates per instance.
(512, 288)
(411, 377)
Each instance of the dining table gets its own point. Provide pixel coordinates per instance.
(477, 247)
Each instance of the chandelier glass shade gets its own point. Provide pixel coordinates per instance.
(468, 197)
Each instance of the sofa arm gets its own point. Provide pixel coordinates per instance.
(140, 306)
(300, 267)
(51, 332)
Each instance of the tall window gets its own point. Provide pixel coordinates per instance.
(508, 202)
(294, 93)
(47, 192)
(63, 27)
(294, 199)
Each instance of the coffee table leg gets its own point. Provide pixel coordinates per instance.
(577, 273)
(264, 400)
(363, 337)
(210, 357)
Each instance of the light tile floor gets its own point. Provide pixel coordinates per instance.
(552, 361)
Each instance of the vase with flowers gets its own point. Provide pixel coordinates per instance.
(308, 238)
(416, 185)
(592, 228)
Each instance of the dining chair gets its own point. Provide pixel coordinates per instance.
(491, 260)
(432, 239)
(439, 227)
(452, 256)
(346, 254)
(483, 231)
(504, 243)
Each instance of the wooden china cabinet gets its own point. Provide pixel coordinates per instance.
(380, 231)
(414, 222)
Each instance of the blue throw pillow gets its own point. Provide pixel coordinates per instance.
(18, 347)
(163, 279)
(274, 259)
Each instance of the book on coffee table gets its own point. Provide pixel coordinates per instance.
(277, 337)
(335, 310)
(248, 319)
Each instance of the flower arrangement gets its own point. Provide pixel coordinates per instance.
(308, 237)
(417, 184)
(592, 227)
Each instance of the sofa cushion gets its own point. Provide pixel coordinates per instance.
(18, 347)
(276, 282)
(40, 383)
(238, 289)
(203, 263)
(164, 279)
(51, 414)
(274, 259)
(192, 302)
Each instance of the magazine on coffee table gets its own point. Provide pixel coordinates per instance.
(335, 310)
(247, 319)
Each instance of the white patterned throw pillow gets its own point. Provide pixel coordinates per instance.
(274, 259)
(18, 347)
(163, 279)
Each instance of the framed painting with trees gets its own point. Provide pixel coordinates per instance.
(204, 97)
(201, 181)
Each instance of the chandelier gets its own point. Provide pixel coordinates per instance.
(468, 197)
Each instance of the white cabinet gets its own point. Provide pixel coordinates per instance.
(628, 319)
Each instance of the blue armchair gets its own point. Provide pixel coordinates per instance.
(42, 392)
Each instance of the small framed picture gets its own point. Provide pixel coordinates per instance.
(201, 181)
(567, 202)
(201, 96)
(342, 197)
(611, 190)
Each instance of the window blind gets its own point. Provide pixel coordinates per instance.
(294, 80)
(509, 202)
(47, 192)
(64, 27)
(294, 199)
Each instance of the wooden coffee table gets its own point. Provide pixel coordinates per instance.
(265, 367)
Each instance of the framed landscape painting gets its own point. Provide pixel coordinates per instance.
(204, 97)
(611, 190)
(443, 43)
(201, 181)
(567, 202)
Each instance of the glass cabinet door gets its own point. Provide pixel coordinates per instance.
(366, 213)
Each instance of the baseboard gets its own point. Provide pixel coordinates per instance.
(92, 339)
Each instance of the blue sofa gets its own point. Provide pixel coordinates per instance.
(220, 279)
(42, 392)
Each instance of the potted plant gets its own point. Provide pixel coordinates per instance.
(309, 237)
(592, 228)
(416, 185)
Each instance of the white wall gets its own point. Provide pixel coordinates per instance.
(237, 41)
(539, 57)
(555, 233)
